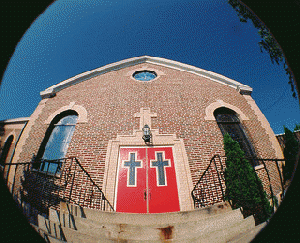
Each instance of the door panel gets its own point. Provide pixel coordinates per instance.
(163, 193)
(146, 181)
(131, 183)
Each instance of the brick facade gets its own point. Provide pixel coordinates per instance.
(179, 98)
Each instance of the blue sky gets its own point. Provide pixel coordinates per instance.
(72, 37)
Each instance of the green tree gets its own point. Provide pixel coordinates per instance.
(290, 154)
(243, 187)
(268, 42)
(297, 127)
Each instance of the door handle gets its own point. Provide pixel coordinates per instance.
(145, 195)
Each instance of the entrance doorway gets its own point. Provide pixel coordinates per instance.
(146, 180)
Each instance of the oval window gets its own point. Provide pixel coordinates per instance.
(144, 75)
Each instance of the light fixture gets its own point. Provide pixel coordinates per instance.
(147, 134)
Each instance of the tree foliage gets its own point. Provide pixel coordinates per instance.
(268, 42)
(290, 153)
(297, 127)
(243, 187)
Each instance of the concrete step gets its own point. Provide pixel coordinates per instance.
(74, 236)
(182, 226)
(45, 235)
(225, 234)
(139, 219)
(51, 239)
(218, 223)
(151, 230)
(220, 236)
(52, 229)
(248, 236)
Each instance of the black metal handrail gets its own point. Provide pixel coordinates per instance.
(210, 188)
(81, 189)
(45, 183)
(263, 162)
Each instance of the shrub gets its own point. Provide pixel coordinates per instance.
(243, 187)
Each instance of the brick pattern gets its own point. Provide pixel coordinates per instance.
(179, 98)
(37, 188)
(210, 188)
(274, 180)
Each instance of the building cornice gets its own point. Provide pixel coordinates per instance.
(16, 120)
(51, 91)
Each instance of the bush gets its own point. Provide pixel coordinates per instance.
(243, 187)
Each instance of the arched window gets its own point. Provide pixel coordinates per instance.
(6, 149)
(57, 139)
(230, 123)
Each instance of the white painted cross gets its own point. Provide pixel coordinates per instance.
(145, 117)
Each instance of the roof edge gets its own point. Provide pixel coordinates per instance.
(16, 120)
(51, 91)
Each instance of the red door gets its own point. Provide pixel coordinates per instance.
(146, 181)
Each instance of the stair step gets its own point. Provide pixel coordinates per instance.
(50, 228)
(54, 240)
(218, 223)
(228, 233)
(139, 219)
(212, 224)
(249, 235)
(76, 237)
(184, 229)
(150, 229)
(220, 236)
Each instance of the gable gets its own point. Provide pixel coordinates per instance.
(51, 91)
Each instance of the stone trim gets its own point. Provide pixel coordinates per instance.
(266, 125)
(25, 135)
(10, 134)
(81, 111)
(51, 91)
(209, 111)
(258, 167)
(15, 120)
(145, 116)
(183, 175)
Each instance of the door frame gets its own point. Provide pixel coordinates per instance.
(183, 174)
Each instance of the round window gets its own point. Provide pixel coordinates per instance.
(144, 75)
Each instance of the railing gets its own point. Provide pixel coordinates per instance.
(44, 184)
(264, 163)
(81, 189)
(210, 188)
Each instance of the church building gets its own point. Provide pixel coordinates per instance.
(145, 130)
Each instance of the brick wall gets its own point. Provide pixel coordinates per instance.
(179, 98)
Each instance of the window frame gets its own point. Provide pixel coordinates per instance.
(240, 133)
(40, 162)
